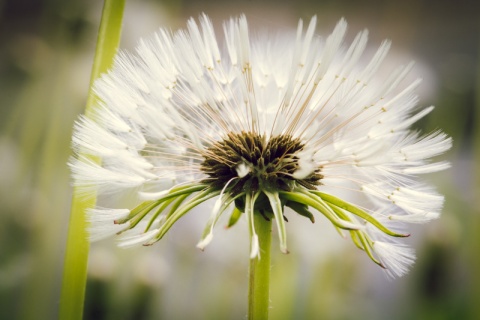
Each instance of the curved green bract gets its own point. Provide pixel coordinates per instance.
(199, 198)
(236, 214)
(358, 212)
(277, 208)
(306, 198)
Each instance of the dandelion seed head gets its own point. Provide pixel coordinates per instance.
(270, 125)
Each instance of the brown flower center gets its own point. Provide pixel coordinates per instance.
(250, 163)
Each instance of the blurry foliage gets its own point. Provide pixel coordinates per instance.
(46, 50)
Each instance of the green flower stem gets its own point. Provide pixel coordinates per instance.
(259, 282)
(76, 256)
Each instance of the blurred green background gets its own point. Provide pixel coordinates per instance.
(46, 51)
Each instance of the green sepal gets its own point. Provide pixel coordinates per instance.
(234, 217)
(356, 239)
(250, 214)
(340, 231)
(301, 209)
(336, 202)
(314, 201)
(164, 205)
(135, 211)
(342, 216)
(140, 211)
(222, 203)
(159, 210)
(176, 204)
(277, 208)
(197, 199)
(367, 245)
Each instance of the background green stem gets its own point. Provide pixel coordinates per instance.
(259, 282)
(76, 256)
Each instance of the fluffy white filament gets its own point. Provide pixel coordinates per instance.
(395, 257)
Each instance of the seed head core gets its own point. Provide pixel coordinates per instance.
(250, 162)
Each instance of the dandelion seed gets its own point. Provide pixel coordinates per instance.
(258, 126)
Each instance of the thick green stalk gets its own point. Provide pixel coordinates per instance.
(259, 282)
(76, 255)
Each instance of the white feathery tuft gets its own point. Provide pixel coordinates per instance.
(137, 239)
(396, 258)
(101, 224)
